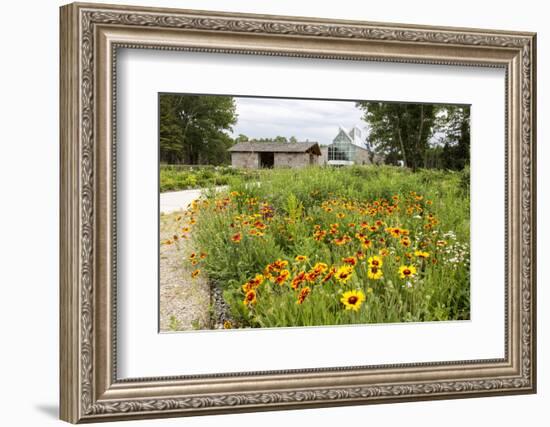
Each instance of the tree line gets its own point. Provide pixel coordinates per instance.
(419, 135)
(195, 129)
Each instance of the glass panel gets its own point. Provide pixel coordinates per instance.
(341, 152)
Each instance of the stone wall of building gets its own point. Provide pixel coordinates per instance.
(362, 156)
(378, 159)
(324, 155)
(245, 160)
(295, 160)
(280, 160)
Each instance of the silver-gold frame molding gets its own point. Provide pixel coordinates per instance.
(90, 37)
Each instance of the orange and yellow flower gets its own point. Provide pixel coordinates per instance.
(298, 280)
(250, 297)
(384, 252)
(282, 277)
(343, 274)
(374, 273)
(351, 260)
(366, 243)
(236, 238)
(319, 235)
(422, 254)
(300, 258)
(339, 241)
(407, 271)
(352, 300)
(304, 292)
(320, 267)
(275, 266)
(394, 231)
(375, 261)
(260, 225)
(253, 283)
(329, 275)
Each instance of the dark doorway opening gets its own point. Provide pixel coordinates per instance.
(267, 160)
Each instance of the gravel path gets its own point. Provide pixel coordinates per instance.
(174, 201)
(184, 302)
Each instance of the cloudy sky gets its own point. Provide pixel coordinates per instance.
(305, 119)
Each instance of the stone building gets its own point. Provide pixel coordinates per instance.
(348, 148)
(255, 155)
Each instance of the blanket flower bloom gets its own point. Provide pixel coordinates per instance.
(352, 300)
(374, 273)
(304, 292)
(375, 261)
(406, 271)
(343, 274)
(250, 297)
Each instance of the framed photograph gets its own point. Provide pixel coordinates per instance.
(267, 212)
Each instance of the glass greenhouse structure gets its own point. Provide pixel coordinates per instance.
(348, 148)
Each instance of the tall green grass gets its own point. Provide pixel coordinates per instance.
(185, 177)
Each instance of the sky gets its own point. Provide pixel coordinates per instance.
(312, 120)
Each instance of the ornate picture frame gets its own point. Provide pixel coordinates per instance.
(90, 37)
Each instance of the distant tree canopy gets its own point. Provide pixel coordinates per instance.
(241, 138)
(420, 135)
(193, 128)
(278, 138)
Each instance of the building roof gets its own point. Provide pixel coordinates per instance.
(354, 135)
(276, 147)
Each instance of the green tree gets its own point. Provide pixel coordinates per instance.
(241, 138)
(280, 138)
(454, 124)
(193, 128)
(400, 131)
(170, 129)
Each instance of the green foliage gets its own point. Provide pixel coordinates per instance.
(400, 131)
(420, 135)
(455, 125)
(182, 177)
(276, 216)
(193, 128)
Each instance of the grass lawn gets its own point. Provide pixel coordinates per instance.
(328, 246)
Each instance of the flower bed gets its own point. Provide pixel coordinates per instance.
(323, 246)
